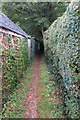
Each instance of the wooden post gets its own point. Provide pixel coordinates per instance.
(29, 48)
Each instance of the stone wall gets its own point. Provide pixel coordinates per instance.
(14, 62)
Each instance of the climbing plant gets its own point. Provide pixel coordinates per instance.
(14, 64)
(61, 43)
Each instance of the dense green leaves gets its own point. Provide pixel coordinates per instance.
(15, 62)
(61, 43)
(33, 18)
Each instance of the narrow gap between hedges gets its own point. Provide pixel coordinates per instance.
(42, 98)
(36, 96)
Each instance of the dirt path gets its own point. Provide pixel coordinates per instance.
(37, 95)
(33, 94)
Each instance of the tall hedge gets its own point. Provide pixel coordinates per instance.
(14, 64)
(62, 48)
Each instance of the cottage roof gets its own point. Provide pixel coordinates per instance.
(6, 23)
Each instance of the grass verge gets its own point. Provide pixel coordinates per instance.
(16, 105)
(49, 105)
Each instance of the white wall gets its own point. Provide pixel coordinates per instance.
(29, 47)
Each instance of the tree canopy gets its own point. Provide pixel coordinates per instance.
(34, 18)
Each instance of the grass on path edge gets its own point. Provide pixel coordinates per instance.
(49, 105)
(16, 105)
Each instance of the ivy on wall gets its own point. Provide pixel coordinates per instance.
(61, 43)
(14, 63)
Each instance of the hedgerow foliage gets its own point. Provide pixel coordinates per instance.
(14, 63)
(61, 43)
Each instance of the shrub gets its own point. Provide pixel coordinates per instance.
(14, 63)
(61, 46)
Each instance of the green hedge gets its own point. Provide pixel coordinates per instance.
(14, 63)
(61, 46)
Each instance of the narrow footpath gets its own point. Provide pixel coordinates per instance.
(33, 94)
(37, 96)
(42, 101)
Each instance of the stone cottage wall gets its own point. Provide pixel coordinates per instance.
(14, 61)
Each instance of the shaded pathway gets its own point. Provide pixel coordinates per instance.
(33, 94)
